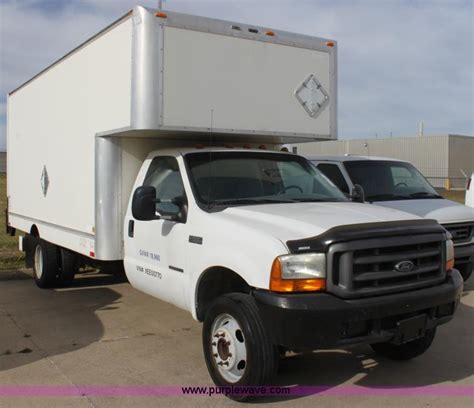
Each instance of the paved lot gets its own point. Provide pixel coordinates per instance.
(103, 332)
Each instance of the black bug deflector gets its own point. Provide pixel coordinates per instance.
(355, 232)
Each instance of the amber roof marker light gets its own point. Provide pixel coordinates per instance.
(161, 14)
(330, 44)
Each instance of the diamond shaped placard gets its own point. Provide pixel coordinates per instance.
(312, 96)
(44, 181)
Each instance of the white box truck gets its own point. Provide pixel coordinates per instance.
(157, 144)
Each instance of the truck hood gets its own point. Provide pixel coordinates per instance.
(302, 220)
(444, 211)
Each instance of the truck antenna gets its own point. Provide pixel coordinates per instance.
(210, 160)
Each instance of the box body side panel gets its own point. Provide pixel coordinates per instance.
(52, 123)
(248, 85)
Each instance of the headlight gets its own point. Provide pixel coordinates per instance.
(449, 254)
(298, 273)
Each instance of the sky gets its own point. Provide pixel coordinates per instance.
(399, 61)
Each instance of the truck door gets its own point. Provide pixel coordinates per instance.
(155, 259)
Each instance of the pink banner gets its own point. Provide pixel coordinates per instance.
(169, 391)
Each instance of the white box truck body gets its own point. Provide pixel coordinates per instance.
(156, 143)
(143, 80)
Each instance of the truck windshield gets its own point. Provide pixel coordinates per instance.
(248, 178)
(389, 180)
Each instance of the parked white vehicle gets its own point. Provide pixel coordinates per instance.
(398, 184)
(113, 158)
(470, 192)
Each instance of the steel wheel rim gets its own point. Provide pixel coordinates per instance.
(228, 348)
(39, 261)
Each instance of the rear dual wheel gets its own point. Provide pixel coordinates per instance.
(53, 266)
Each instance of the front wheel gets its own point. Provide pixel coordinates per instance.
(237, 349)
(408, 350)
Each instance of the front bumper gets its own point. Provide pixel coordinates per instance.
(463, 254)
(322, 320)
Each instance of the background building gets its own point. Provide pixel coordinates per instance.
(445, 160)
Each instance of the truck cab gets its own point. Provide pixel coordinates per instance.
(398, 184)
(263, 248)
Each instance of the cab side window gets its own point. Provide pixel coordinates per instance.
(333, 173)
(164, 175)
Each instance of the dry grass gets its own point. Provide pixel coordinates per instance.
(10, 256)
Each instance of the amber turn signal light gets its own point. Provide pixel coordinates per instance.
(278, 284)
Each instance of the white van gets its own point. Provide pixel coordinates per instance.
(470, 192)
(398, 184)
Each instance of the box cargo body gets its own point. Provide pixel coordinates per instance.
(78, 132)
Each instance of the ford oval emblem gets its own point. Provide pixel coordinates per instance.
(404, 266)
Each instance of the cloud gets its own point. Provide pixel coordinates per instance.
(400, 61)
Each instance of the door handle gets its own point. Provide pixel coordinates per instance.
(131, 228)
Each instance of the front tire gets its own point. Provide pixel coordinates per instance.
(465, 270)
(406, 351)
(237, 348)
(45, 264)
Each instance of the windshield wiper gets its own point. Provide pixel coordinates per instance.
(249, 201)
(316, 200)
(387, 196)
(424, 194)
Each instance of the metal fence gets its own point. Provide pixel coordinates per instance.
(453, 178)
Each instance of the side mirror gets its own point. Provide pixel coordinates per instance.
(358, 194)
(144, 204)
